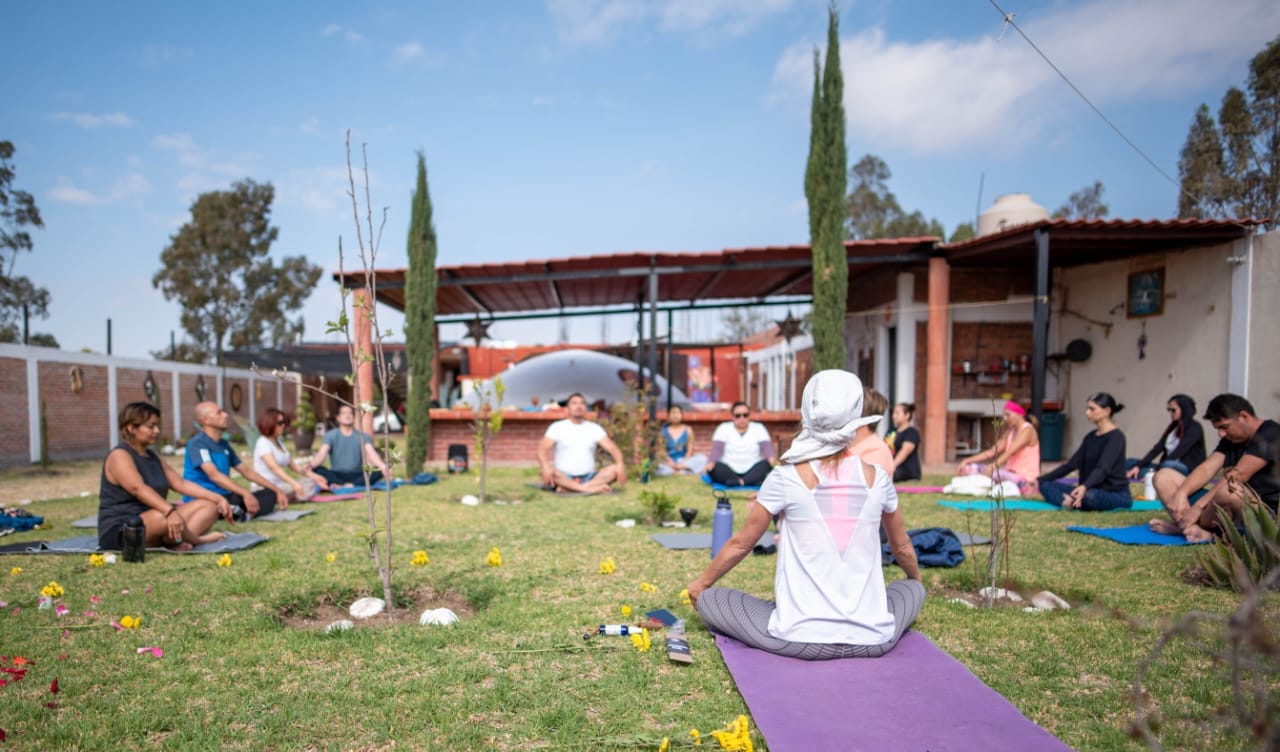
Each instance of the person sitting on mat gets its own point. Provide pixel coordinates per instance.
(1181, 446)
(271, 459)
(832, 601)
(1015, 458)
(567, 453)
(1100, 461)
(741, 450)
(348, 451)
(210, 459)
(905, 441)
(1248, 452)
(677, 439)
(135, 482)
(867, 444)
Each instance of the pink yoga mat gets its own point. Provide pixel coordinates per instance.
(919, 489)
(915, 698)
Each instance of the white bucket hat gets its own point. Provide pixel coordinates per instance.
(831, 411)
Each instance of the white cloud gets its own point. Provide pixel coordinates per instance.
(321, 190)
(154, 55)
(597, 21)
(408, 51)
(129, 184)
(348, 34)
(948, 94)
(67, 193)
(89, 121)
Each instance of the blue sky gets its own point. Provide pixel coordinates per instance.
(569, 127)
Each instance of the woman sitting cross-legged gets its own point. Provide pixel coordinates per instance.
(832, 601)
(677, 442)
(1015, 458)
(1100, 461)
(272, 460)
(135, 482)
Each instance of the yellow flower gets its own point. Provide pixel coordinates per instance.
(130, 622)
(608, 566)
(736, 735)
(97, 560)
(52, 590)
(641, 641)
(420, 558)
(646, 587)
(15, 571)
(697, 737)
(666, 744)
(626, 610)
(224, 560)
(331, 557)
(685, 600)
(494, 559)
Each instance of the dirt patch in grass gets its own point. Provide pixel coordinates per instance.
(329, 607)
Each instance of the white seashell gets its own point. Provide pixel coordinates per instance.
(342, 625)
(470, 501)
(961, 601)
(1048, 601)
(1000, 593)
(1032, 610)
(109, 558)
(626, 523)
(438, 617)
(367, 607)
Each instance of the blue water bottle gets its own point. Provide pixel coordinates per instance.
(721, 523)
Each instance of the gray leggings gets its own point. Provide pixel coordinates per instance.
(745, 618)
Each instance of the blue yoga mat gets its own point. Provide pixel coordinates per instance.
(1134, 535)
(722, 487)
(1028, 505)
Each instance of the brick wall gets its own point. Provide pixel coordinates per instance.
(14, 427)
(79, 424)
(976, 285)
(985, 345)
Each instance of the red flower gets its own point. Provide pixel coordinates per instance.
(54, 686)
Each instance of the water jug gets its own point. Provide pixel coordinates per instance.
(133, 540)
(721, 523)
(1149, 485)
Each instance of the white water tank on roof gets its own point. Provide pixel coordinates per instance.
(1010, 211)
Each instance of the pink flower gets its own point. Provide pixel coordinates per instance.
(157, 652)
(60, 610)
(94, 599)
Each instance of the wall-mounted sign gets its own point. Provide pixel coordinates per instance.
(1146, 294)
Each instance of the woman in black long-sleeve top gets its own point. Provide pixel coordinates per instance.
(1181, 446)
(1100, 462)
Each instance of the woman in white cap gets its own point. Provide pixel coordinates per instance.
(832, 601)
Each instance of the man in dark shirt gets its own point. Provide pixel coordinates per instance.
(1248, 452)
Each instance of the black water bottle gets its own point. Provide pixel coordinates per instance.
(133, 540)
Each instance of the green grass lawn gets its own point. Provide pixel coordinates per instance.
(516, 674)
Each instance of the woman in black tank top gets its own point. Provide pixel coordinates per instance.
(135, 482)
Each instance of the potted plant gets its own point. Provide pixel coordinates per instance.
(305, 422)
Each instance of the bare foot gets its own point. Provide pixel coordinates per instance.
(1164, 527)
(210, 538)
(1197, 534)
(179, 546)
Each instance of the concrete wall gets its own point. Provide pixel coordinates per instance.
(1264, 341)
(1187, 346)
(83, 424)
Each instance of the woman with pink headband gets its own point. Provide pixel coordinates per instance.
(1015, 456)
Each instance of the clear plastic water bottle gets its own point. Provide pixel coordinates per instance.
(721, 523)
(133, 540)
(1149, 484)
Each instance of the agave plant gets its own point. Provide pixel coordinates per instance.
(1240, 561)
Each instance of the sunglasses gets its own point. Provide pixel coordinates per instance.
(1171, 410)
(742, 415)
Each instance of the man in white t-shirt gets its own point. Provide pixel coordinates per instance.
(741, 450)
(567, 453)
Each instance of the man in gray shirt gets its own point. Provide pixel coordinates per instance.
(348, 450)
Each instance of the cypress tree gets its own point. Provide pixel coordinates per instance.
(420, 320)
(828, 159)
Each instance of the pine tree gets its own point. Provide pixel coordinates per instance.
(1200, 168)
(420, 320)
(828, 158)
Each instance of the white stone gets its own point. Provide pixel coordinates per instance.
(167, 450)
(500, 502)
(626, 523)
(437, 617)
(470, 501)
(961, 601)
(1000, 593)
(367, 607)
(1048, 601)
(1032, 610)
(342, 625)
(109, 558)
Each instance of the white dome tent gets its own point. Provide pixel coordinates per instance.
(552, 377)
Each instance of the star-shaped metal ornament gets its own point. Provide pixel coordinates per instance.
(790, 327)
(478, 330)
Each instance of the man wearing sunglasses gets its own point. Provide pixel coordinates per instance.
(741, 450)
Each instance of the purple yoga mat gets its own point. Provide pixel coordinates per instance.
(919, 489)
(322, 498)
(915, 698)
